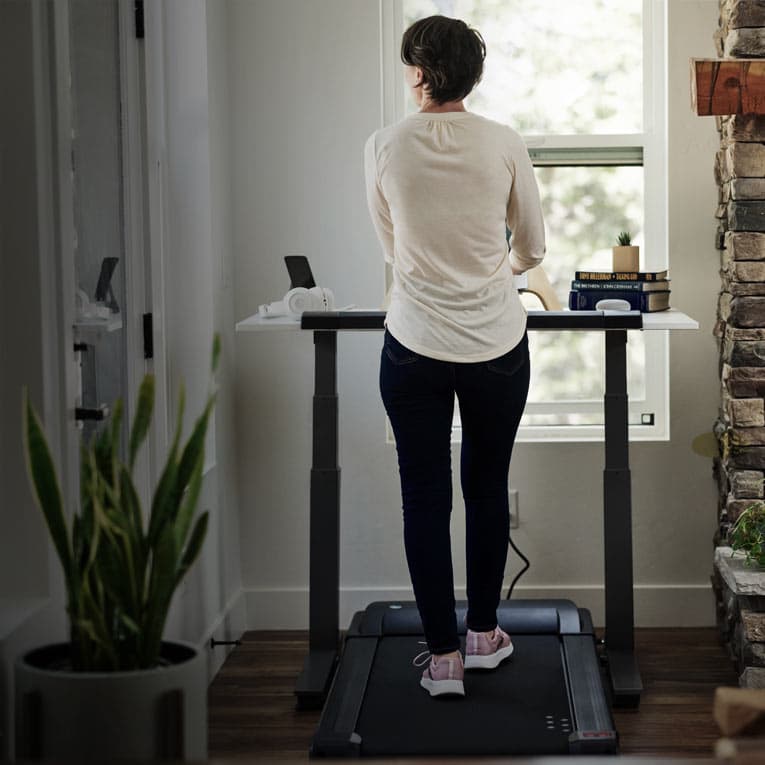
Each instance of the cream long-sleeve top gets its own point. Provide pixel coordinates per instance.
(441, 187)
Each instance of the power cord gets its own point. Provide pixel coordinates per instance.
(525, 568)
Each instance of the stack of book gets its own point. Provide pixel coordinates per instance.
(644, 290)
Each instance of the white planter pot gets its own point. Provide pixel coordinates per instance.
(149, 714)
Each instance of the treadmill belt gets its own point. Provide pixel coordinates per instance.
(519, 708)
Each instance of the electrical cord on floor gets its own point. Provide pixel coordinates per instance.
(521, 572)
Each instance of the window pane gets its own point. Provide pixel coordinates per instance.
(554, 66)
(560, 67)
(585, 208)
(569, 367)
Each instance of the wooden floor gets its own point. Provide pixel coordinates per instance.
(253, 715)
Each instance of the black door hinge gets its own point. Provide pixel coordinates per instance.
(140, 28)
(94, 414)
(148, 336)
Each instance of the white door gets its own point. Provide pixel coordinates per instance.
(98, 115)
(134, 197)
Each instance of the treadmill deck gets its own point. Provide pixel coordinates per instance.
(519, 708)
(545, 699)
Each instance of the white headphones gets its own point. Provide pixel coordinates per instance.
(298, 300)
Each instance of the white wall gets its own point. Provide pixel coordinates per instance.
(24, 549)
(228, 556)
(197, 256)
(305, 95)
(198, 266)
(196, 157)
(21, 324)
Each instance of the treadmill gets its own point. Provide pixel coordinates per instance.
(547, 698)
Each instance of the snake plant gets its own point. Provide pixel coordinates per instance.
(121, 569)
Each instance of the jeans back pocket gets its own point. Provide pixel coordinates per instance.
(512, 361)
(397, 353)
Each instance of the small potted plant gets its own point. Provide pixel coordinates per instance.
(747, 535)
(626, 256)
(116, 690)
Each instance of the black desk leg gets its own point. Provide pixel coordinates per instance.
(324, 574)
(617, 510)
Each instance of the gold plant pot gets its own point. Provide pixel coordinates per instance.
(626, 258)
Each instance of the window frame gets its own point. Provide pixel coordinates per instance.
(648, 149)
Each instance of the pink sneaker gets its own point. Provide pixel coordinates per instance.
(484, 651)
(443, 675)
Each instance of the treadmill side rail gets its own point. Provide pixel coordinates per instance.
(594, 729)
(336, 735)
(337, 745)
(593, 742)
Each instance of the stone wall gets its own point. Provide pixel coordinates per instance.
(740, 594)
(740, 428)
(740, 174)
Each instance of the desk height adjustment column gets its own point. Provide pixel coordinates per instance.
(626, 684)
(318, 669)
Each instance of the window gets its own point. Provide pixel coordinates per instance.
(583, 82)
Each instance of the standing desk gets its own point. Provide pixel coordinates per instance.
(324, 571)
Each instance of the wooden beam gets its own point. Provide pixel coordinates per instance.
(728, 86)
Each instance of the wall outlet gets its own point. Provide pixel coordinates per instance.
(514, 517)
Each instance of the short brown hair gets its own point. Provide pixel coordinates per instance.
(449, 53)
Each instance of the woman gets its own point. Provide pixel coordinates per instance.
(442, 186)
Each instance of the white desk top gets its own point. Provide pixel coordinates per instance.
(256, 323)
(670, 319)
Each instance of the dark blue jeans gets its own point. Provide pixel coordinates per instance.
(418, 393)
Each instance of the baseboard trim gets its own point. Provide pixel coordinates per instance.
(656, 605)
(229, 625)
